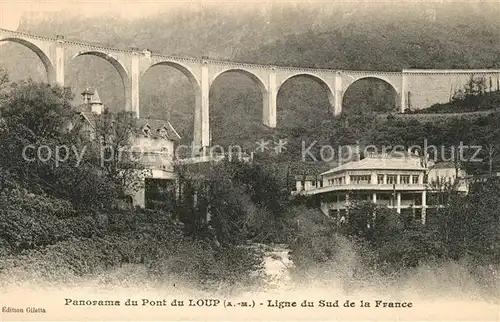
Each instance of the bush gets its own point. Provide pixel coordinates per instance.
(28, 221)
(204, 266)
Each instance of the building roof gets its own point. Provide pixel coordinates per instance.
(307, 178)
(156, 126)
(88, 91)
(95, 98)
(143, 126)
(443, 165)
(380, 162)
(82, 108)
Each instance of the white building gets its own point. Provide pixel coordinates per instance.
(398, 181)
(154, 139)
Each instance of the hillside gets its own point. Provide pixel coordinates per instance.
(349, 36)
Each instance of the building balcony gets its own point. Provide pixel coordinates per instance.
(162, 174)
(408, 187)
(344, 205)
(215, 158)
(367, 187)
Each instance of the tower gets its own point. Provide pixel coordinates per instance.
(92, 101)
(96, 105)
(87, 95)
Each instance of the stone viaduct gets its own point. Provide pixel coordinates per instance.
(416, 88)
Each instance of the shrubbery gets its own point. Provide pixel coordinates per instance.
(58, 223)
(376, 243)
(148, 239)
(29, 221)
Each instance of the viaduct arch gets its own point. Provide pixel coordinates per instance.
(387, 80)
(255, 78)
(319, 80)
(192, 77)
(44, 58)
(124, 76)
(426, 87)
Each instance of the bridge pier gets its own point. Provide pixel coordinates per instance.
(134, 86)
(427, 87)
(337, 108)
(269, 104)
(404, 87)
(201, 135)
(59, 61)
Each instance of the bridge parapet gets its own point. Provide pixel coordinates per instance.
(99, 47)
(233, 64)
(450, 71)
(370, 72)
(25, 35)
(415, 88)
(161, 56)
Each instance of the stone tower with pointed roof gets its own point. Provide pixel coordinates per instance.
(91, 102)
(96, 105)
(156, 138)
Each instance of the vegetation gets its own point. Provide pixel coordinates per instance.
(381, 36)
(56, 215)
(477, 95)
(60, 221)
(382, 244)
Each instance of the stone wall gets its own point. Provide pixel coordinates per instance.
(427, 89)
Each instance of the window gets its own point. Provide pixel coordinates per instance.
(380, 179)
(392, 179)
(336, 181)
(414, 179)
(404, 179)
(164, 149)
(162, 132)
(360, 179)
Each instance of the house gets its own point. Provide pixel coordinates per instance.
(398, 180)
(155, 141)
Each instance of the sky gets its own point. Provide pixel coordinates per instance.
(12, 10)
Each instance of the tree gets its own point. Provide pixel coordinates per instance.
(489, 136)
(472, 94)
(4, 81)
(38, 152)
(112, 144)
(186, 205)
(482, 230)
(370, 222)
(32, 115)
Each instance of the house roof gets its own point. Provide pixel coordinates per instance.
(307, 178)
(88, 91)
(156, 126)
(443, 165)
(379, 162)
(95, 98)
(85, 108)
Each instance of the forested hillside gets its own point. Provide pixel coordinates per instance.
(64, 222)
(349, 36)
